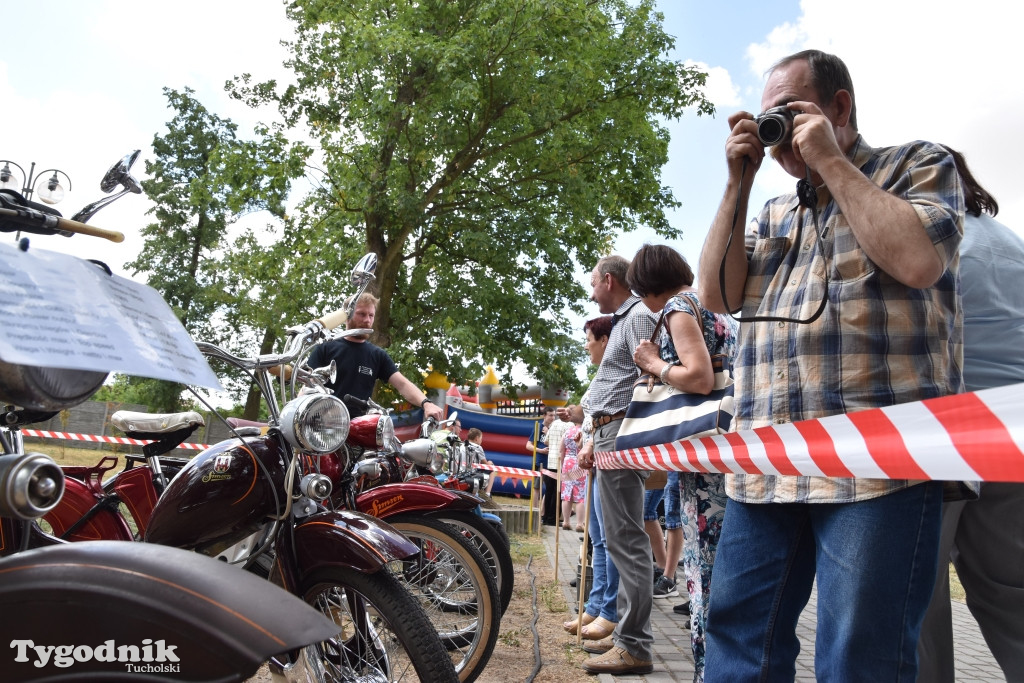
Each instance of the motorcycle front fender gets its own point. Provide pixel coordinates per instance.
(197, 618)
(392, 499)
(338, 538)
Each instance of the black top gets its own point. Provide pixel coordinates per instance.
(360, 365)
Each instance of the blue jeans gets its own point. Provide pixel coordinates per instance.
(670, 494)
(604, 592)
(875, 562)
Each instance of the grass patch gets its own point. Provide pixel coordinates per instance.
(510, 501)
(552, 597)
(522, 546)
(511, 638)
(573, 653)
(956, 591)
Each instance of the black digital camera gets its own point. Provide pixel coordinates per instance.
(774, 126)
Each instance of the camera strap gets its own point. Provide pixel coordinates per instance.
(808, 198)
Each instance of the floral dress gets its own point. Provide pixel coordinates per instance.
(702, 495)
(572, 489)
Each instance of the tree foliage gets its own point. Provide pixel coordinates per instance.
(202, 180)
(486, 150)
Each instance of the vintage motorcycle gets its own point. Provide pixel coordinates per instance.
(334, 561)
(390, 466)
(184, 614)
(109, 595)
(455, 580)
(448, 575)
(252, 500)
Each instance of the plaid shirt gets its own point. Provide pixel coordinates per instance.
(878, 342)
(612, 387)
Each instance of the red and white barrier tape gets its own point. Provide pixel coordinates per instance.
(509, 472)
(103, 439)
(966, 437)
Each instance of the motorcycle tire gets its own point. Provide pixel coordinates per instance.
(384, 633)
(493, 543)
(459, 593)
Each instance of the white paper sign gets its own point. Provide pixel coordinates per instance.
(60, 311)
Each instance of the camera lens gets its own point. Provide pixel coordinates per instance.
(773, 129)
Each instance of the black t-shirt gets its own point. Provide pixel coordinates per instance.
(360, 365)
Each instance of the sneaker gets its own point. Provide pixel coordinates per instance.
(665, 587)
(658, 571)
(682, 609)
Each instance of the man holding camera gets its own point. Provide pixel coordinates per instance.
(850, 296)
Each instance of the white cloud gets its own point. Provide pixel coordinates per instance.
(942, 71)
(719, 87)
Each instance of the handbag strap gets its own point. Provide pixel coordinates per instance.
(657, 327)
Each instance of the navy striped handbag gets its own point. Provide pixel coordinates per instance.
(659, 413)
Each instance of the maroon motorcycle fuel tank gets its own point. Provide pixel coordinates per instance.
(222, 495)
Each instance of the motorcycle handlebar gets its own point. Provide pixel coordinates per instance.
(349, 398)
(264, 362)
(332, 320)
(35, 219)
(276, 371)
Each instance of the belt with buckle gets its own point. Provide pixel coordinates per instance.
(605, 419)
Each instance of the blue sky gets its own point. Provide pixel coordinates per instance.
(81, 80)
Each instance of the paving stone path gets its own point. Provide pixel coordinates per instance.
(673, 661)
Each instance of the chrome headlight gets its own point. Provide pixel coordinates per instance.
(315, 423)
(423, 453)
(385, 430)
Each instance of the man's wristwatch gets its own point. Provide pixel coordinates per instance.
(426, 400)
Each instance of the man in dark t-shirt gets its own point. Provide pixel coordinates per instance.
(361, 364)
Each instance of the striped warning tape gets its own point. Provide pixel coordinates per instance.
(977, 436)
(509, 472)
(95, 438)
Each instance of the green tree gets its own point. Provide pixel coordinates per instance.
(202, 180)
(484, 151)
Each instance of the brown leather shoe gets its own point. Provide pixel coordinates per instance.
(598, 647)
(617, 661)
(598, 629)
(573, 625)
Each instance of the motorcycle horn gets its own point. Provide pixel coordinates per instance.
(31, 484)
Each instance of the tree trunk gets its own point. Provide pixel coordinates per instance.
(252, 401)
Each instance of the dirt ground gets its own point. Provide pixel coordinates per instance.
(513, 658)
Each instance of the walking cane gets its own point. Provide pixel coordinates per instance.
(581, 582)
(558, 509)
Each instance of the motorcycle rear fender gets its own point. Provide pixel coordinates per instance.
(392, 499)
(338, 538)
(220, 623)
(79, 499)
(135, 488)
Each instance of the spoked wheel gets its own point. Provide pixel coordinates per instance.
(493, 544)
(383, 634)
(456, 589)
